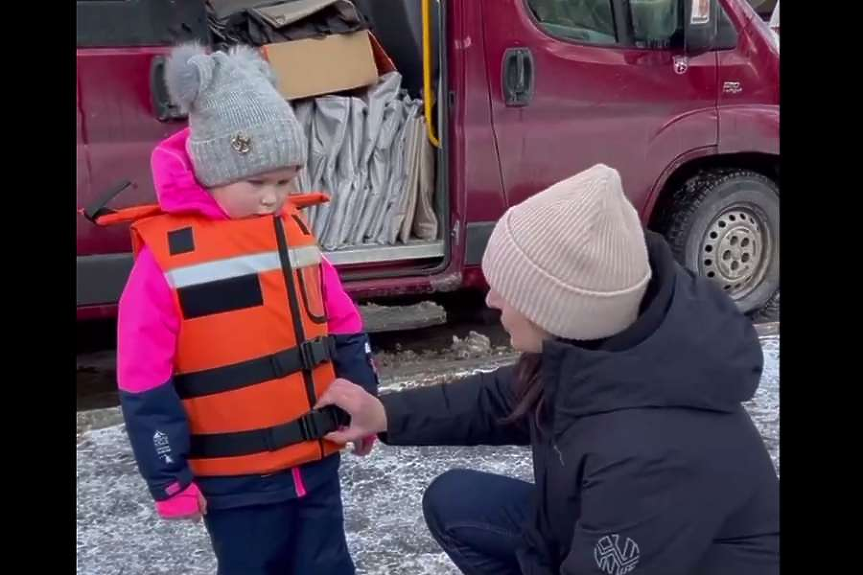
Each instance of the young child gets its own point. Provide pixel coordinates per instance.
(232, 324)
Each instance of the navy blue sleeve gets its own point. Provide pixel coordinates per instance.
(354, 361)
(159, 433)
(466, 412)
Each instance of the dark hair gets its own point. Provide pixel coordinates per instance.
(527, 388)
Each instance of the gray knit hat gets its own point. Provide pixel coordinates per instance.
(573, 258)
(240, 125)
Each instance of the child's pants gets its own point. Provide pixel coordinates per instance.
(301, 536)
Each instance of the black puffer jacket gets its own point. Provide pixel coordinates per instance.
(648, 463)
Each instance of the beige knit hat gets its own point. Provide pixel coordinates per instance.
(572, 258)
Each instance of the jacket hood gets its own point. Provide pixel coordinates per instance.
(177, 189)
(689, 348)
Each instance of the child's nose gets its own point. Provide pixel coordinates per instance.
(269, 197)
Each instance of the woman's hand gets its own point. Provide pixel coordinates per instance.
(364, 446)
(367, 412)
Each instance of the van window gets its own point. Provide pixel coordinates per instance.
(656, 23)
(726, 38)
(117, 23)
(587, 21)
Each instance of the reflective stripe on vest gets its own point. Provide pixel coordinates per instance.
(239, 266)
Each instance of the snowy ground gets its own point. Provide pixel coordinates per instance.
(119, 532)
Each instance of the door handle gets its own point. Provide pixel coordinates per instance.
(519, 84)
(163, 108)
(518, 76)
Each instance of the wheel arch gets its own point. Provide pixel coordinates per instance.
(691, 165)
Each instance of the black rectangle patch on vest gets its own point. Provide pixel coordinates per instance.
(221, 296)
(181, 241)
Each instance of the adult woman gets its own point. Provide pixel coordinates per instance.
(628, 391)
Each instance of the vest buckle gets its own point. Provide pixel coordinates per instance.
(314, 352)
(308, 426)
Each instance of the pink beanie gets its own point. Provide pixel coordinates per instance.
(572, 258)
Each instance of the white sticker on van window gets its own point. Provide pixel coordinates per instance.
(700, 12)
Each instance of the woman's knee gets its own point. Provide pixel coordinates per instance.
(441, 497)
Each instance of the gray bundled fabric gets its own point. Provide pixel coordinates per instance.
(304, 110)
(425, 222)
(390, 215)
(377, 97)
(401, 226)
(379, 174)
(317, 161)
(329, 126)
(372, 156)
(413, 152)
(346, 177)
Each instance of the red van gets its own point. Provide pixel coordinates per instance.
(681, 96)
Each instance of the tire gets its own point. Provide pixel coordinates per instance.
(724, 224)
(769, 312)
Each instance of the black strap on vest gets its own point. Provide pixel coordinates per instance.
(97, 208)
(306, 356)
(310, 427)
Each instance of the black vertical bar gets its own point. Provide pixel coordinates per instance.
(293, 302)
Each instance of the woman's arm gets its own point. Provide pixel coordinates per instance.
(467, 412)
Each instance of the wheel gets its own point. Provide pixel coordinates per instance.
(724, 224)
(769, 312)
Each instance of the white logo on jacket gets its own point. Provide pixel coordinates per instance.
(613, 559)
(163, 447)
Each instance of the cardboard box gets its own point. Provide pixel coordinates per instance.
(324, 65)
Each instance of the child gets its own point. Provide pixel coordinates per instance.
(232, 324)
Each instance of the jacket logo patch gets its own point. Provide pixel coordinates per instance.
(371, 358)
(613, 559)
(163, 448)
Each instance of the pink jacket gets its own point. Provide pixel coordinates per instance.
(148, 322)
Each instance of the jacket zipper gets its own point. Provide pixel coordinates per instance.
(293, 304)
(559, 454)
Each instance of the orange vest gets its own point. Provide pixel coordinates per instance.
(253, 353)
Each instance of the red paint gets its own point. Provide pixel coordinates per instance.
(117, 133)
(96, 312)
(621, 106)
(749, 120)
(473, 279)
